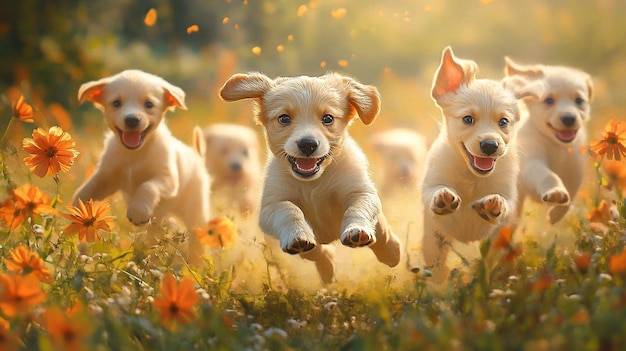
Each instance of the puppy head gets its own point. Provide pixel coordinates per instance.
(564, 105)
(401, 153)
(480, 115)
(133, 103)
(305, 118)
(232, 152)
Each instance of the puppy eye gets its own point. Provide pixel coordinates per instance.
(468, 120)
(284, 119)
(503, 123)
(117, 103)
(148, 104)
(549, 101)
(579, 101)
(245, 153)
(327, 120)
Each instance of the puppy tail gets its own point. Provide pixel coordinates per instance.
(198, 143)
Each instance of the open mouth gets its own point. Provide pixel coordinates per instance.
(132, 139)
(482, 165)
(305, 166)
(565, 135)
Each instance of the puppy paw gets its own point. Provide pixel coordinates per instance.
(357, 237)
(138, 215)
(445, 201)
(298, 245)
(490, 207)
(557, 196)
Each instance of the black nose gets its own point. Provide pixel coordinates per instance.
(235, 166)
(489, 146)
(568, 120)
(131, 121)
(308, 145)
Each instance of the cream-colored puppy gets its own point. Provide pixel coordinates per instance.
(156, 173)
(401, 153)
(551, 138)
(317, 188)
(232, 159)
(469, 185)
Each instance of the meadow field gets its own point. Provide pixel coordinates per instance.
(83, 277)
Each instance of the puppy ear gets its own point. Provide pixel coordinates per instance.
(523, 87)
(174, 96)
(364, 98)
(590, 88)
(452, 73)
(514, 69)
(198, 142)
(93, 91)
(245, 86)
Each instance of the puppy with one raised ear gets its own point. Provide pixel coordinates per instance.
(551, 138)
(157, 173)
(317, 188)
(469, 185)
(232, 159)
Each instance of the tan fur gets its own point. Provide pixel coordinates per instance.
(328, 200)
(232, 159)
(160, 176)
(551, 169)
(460, 201)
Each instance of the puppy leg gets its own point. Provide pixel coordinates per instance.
(359, 220)
(445, 201)
(98, 187)
(286, 221)
(546, 184)
(490, 207)
(435, 246)
(141, 205)
(387, 247)
(324, 257)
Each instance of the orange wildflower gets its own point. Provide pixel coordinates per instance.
(88, 219)
(18, 293)
(601, 214)
(582, 261)
(613, 143)
(176, 301)
(617, 263)
(616, 172)
(543, 282)
(503, 243)
(68, 332)
(51, 151)
(8, 340)
(150, 18)
(22, 110)
(26, 201)
(220, 232)
(24, 261)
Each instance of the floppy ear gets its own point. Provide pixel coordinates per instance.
(92, 91)
(364, 98)
(174, 96)
(590, 87)
(515, 69)
(452, 73)
(245, 86)
(523, 87)
(198, 142)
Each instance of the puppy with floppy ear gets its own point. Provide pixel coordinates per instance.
(317, 188)
(156, 172)
(469, 185)
(551, 138)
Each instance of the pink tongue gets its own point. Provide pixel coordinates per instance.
(306, 164)
(131, 139)
(566, 134)
(484, 163)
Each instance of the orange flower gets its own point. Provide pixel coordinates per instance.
(220, 232)
(8, 340)
(613, 144)
(18, 293)
(582, 261)
(176, 301)
(50, 151)
(26, 201)
(68, 332)
(616, 172)
(503, 243)
(22, 110)
(543, 282)
(88, 219)
(601, 214)
(617, 263)
(24, 261)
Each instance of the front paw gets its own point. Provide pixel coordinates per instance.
(298, 245)
(357, 237)
(445, 201)
(139, 215)
(558, 196)
(490, 207)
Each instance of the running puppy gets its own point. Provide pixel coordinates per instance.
(551, 138)
(156, 172)
(469, 185)
(317, 188)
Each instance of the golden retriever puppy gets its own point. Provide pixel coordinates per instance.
(232, 159)
(551, 138)
(469, 185)
(317, 188)
(156, 173)
(401, 154)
